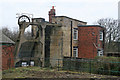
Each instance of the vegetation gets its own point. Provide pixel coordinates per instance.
(100, 65)
(13, 35)
(37, 72)
(112, 34)
(108, 65)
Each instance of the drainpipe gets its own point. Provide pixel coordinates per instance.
(71, 40)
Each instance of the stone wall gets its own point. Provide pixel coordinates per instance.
(60, 45)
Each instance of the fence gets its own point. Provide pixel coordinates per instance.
(92, 66)
(79, 65)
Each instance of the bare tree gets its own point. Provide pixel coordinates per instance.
(11, 34)
(28, 35)
(112, 31)
(111, 25)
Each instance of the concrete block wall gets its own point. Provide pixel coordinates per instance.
(55, 45)
(61, 38)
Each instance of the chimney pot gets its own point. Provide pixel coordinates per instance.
(52, 7)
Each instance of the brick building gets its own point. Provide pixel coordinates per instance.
(7, 52)
(74, 39)
(91, 41)
(63, 37)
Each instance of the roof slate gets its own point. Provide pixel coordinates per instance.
(5, 39)
(72, 19)
(90, 26)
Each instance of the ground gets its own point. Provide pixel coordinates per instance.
(37, 72)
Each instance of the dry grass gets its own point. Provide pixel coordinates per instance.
(37, 72)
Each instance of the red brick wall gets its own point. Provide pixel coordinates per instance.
(88, 40)
(7, 57)
(51, 14)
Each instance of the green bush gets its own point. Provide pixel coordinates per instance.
(107, 65)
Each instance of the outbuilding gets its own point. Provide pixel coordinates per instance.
(7, 52)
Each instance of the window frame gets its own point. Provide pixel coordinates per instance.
(24, 64)
(32, 63)
(99, 52)
(76, 51)
(101, 36)
(75, 33)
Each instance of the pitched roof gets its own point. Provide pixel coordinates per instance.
(90, 26)
(5, 39)
(72, 19)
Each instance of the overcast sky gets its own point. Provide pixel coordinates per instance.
(84, 10)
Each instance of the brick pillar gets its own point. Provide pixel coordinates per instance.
(51, 14)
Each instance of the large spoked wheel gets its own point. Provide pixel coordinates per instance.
(23, 18)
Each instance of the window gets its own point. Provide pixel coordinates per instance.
(24, 63)
(75, 52)
(101, 35)
(100, 52)
(75, 34)
(32, 63)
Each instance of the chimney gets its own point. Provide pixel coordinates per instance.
(51, 14)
